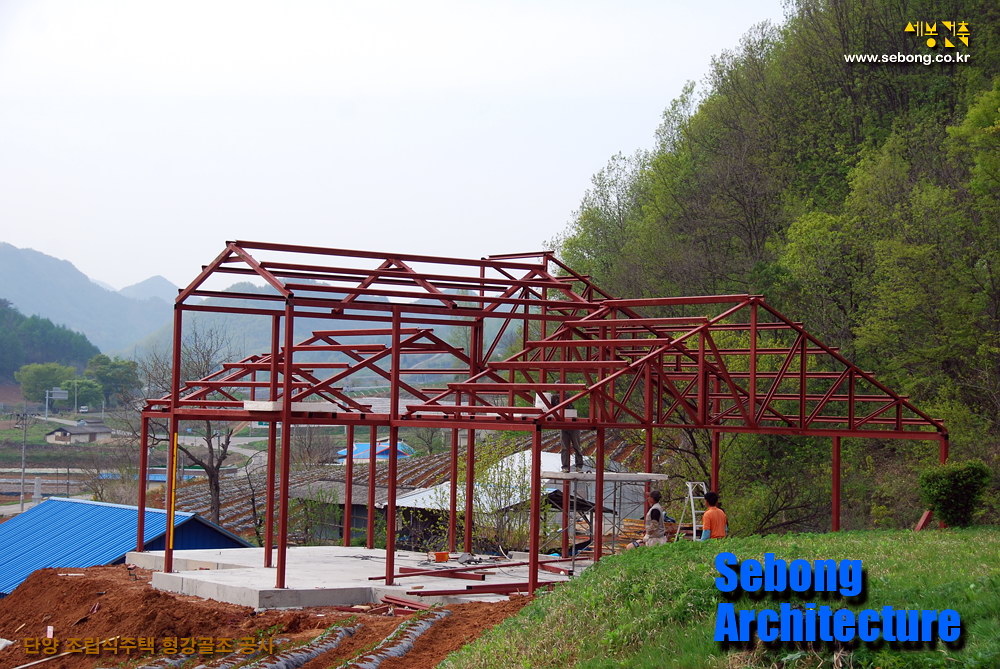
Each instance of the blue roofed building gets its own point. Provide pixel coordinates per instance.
(68, 533)
(362, 451)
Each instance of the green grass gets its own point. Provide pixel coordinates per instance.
(655, 607)
(36, 434)
(54, 455)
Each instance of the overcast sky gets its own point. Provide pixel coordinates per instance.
(136, 137)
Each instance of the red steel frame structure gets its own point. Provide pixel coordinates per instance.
(727, 363)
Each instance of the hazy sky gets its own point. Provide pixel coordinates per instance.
(136, 136)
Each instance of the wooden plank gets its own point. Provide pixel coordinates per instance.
(468, 576)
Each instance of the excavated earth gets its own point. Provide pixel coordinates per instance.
(102, 603)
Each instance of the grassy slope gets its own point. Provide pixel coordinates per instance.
(655, 607)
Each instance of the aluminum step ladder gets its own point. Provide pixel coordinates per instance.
(695, 490)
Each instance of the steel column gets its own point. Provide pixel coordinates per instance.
(536, 508)
(286, 445)
(349, 488)
(175, 388)
(140, 535)
(390, 509)
(370, 531)
(835, 520)
(272, 461)
(470, 482)
(942, 458)
(715, 460)
(598, 539)
(753, 363)
(453, 492)
(272, 443)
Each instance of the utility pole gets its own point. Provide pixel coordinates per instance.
(26, 420)
(24, 448)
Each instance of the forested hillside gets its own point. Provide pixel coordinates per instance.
(31, 339)
(862, 199)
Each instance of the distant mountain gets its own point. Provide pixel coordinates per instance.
(137, 319)
(38, 284)
(155, 287)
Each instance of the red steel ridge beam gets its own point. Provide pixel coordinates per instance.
(407, 294)
(670, 301)
(437, 260)
(390, 275)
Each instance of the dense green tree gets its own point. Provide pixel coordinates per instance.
(83, 392)
(36, 378)
(117, 377)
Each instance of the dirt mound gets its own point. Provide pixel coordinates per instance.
(105, 602)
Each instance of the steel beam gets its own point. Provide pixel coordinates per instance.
(835, 494)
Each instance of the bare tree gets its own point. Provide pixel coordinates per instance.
(428, 437)
(202, 352)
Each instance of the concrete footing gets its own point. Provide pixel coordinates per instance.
(315, 576)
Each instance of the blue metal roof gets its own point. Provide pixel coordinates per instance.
(362, 449)
(68, 533)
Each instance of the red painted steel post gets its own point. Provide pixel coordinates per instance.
(942, 458)
(702, 383)
(470, 482)
(648, 400)
(286, 445)
(753, 363)
(171, 474)
(599, 498)
(272, 455)
(647, 460)
(715, 461)
(175, 395)
(536, 509)
(803, 383)
(835, 520)
(370, 530)
(453, 493)
(390, 507)
(140, 534)
(349, 484)
(272, 443)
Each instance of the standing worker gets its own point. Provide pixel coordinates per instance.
(656, 531)
(570, 438)
(714, 523)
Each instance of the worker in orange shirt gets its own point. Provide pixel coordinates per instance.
(714, 523)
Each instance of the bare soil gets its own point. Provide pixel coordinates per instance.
(106, 602)
(10, 393)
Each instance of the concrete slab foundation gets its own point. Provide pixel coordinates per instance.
(315, 576)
